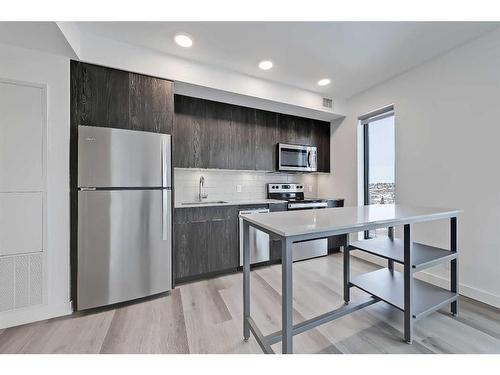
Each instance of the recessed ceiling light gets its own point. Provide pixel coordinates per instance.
(324, 82)
(183, 40)
(266, 64)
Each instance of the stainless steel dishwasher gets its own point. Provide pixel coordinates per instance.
(259, 241)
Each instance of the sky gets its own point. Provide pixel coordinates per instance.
(381, 136)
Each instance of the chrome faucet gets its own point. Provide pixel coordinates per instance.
(201, 194)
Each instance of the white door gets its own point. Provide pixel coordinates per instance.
(22, 127)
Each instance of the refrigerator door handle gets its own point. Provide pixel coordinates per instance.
(163, 163)
(165, 211)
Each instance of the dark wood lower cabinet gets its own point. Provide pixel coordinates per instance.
(223, 244)
(191, 254)
(205, 241)
(335, 242)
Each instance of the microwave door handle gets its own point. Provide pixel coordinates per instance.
(309, 158)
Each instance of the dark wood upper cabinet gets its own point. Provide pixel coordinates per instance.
(266, 134)
(188, 138)
(304, 128)
(210, 134)
(296, 130)
(217, 134)
(115, 98)
(206, 134)
(321, 139)
(243, 138)
(100, 95)
(151, 103)
(286, 129)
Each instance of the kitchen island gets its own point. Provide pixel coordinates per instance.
(414, 297)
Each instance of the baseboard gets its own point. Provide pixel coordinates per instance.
(465, 290)
(33, 314)
(443, 282)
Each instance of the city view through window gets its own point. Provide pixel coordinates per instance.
(381, 182)
(380, 165)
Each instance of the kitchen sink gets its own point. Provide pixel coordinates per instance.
(204, 202)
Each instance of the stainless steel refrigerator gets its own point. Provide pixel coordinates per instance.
(124, 215)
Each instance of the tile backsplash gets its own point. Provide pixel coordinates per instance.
(221, 184)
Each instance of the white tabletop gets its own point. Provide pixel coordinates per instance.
(345, 219)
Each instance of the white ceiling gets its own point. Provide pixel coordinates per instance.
(43, 36)
(355, 55)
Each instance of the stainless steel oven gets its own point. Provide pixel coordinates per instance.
(297, 158)
(294, 195)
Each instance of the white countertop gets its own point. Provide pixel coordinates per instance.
(345, 219)
(241, 202)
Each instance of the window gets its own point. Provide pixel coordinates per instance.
(379, 160)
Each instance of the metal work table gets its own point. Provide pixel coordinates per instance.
(414, 297)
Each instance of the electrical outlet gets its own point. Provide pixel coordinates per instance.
(238, 188)
(310, 188)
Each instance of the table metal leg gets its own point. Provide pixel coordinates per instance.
(454, 263)
(287, 296)
(390, 234)
(408, 283)
(347, 270)
(246, 280)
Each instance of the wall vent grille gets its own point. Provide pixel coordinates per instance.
(21, 281)
(327, 103)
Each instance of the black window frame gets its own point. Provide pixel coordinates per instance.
(365, 121)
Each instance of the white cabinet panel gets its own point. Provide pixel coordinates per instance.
(21, 223)
(21, 137)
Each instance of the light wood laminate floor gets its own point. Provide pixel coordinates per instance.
(206, 317)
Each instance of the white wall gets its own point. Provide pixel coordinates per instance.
(53, 71)
(447, 154)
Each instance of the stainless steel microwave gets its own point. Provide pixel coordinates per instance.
(297, 158)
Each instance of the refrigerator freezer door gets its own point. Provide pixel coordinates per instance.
(123, 158)
(124, 248)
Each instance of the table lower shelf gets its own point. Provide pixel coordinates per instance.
(389, 287)
(423, 256)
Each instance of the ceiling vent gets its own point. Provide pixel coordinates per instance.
(327, 103)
